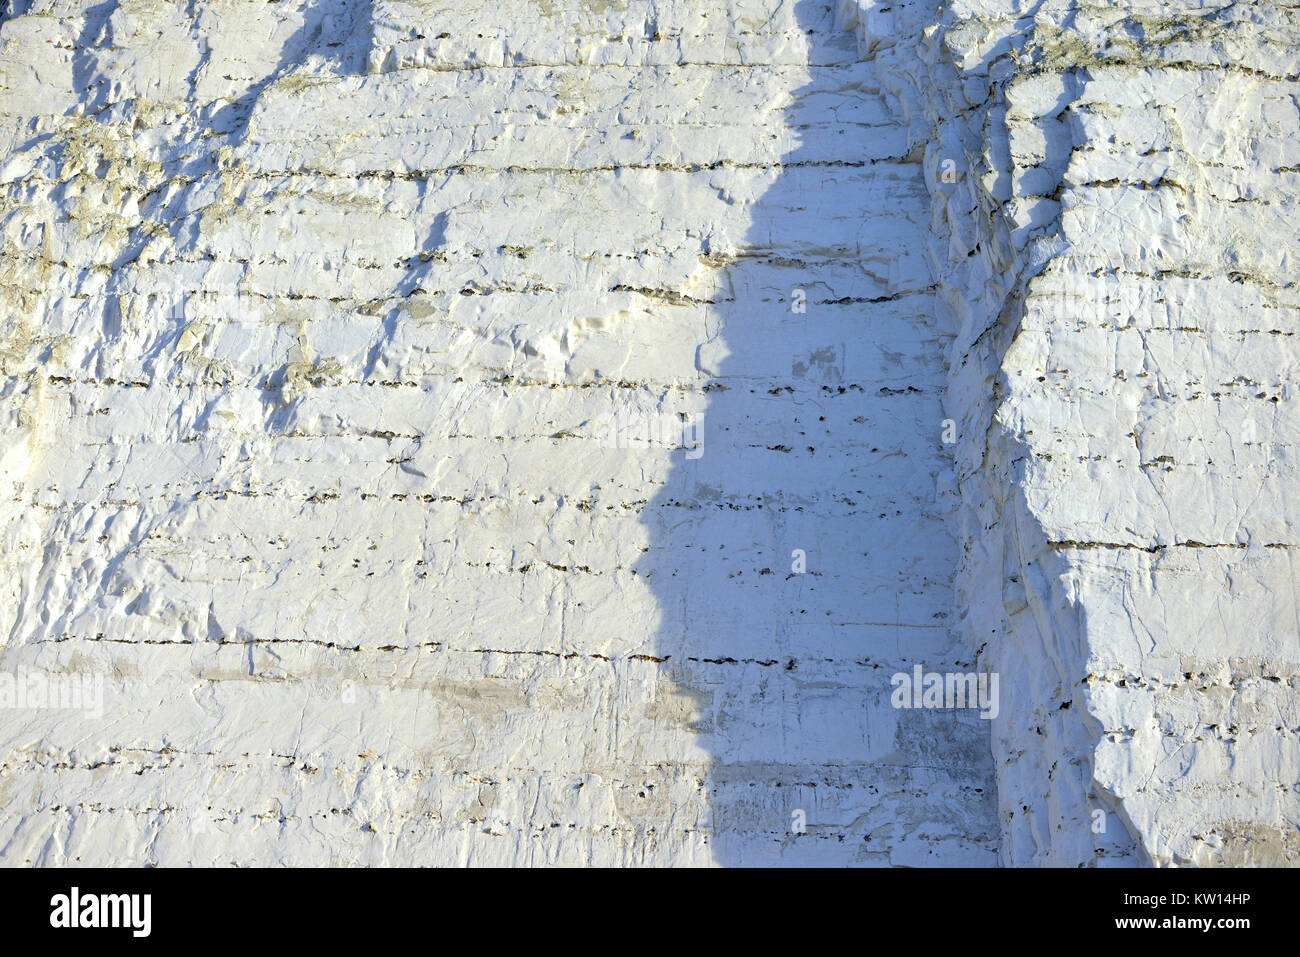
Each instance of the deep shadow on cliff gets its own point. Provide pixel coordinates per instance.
(804, 556)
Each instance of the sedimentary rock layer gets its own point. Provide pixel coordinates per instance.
(535, 433)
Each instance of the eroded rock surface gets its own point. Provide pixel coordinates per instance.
(535, 433)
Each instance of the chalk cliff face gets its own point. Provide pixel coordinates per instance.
(1112, 242)
(536, 433)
